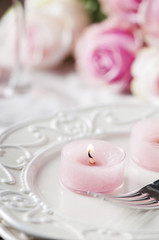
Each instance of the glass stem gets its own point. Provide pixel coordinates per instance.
(19, 80)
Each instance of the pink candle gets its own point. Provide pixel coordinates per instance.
(144, 143)
(92, 165)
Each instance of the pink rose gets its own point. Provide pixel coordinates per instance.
(145, 73)
(105, 53)
(150, 21)
(123, 9)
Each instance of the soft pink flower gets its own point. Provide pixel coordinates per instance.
(105, 53)
(53, 27)
(53, 31)
(71, 12)
(145, 72)
(122, 9)
(49, 40)
(150, 21)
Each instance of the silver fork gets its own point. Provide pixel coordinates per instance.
(146, 197)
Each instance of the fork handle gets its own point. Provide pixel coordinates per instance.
(156, 184)
(152, 190)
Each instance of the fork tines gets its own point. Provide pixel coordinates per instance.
(145, 198)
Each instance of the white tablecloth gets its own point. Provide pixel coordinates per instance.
(55, 91)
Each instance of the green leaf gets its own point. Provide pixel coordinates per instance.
(93, 7)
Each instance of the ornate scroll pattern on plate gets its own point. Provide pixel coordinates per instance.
(39, 134)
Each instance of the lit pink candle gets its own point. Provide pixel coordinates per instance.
(92, 165)
(144, 143)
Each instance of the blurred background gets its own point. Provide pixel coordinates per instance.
(99, 50)
(4, 4)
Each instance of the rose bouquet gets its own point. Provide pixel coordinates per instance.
(122, 52)
(115, 43)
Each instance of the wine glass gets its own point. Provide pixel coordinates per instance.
(19, 78)
(43, 91)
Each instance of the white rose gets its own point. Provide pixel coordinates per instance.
(145, 71)
(53, 27)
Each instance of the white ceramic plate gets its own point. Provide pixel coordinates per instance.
(32, 199)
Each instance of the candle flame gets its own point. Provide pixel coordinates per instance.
(89, 150)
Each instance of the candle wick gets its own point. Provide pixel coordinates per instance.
(89, 155)
(91, 158)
